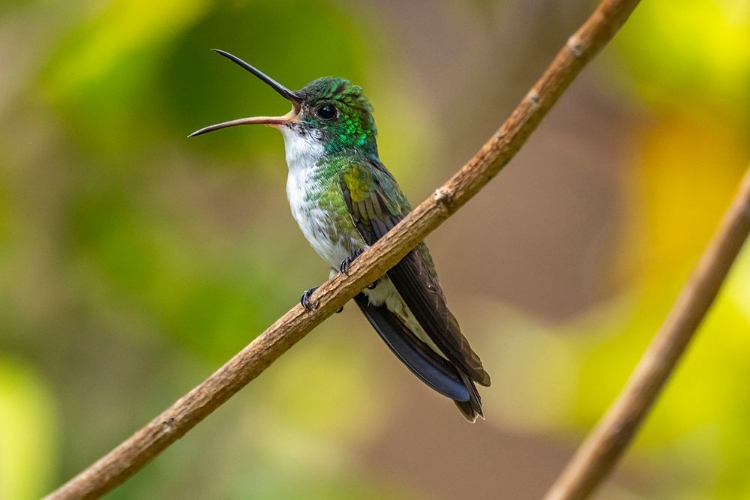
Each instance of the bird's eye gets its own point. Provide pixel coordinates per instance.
(327, 112)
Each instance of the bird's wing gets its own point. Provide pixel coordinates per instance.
(377, 204)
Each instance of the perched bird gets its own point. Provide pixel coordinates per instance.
(344, 200)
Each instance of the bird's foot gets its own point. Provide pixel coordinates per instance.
(305, 299)
(347, 263)
(310, 305)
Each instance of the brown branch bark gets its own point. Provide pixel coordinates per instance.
(605, 444)
(130, 456)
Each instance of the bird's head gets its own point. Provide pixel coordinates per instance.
(329, 111)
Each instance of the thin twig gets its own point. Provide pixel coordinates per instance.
(602, 448)
(130, 456)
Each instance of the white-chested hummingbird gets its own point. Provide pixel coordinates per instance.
(344, 199)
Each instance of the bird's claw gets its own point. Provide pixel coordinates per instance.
(305, 299)
(308, 304)
(347, 263)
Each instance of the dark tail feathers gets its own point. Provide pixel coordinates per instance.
(434, 370)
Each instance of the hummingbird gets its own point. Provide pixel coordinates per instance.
(344, 200)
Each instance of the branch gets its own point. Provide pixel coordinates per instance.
(600, 451)
(130, 456)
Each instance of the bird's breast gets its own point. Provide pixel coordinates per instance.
(316, 201)
(326, 226)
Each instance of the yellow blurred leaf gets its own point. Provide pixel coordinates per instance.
(27, 434)
(678, 49)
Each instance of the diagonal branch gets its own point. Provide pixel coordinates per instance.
(130, 456)
(602, 448)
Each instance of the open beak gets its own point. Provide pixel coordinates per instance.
(275, 121)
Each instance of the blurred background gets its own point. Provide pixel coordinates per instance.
(135, 261)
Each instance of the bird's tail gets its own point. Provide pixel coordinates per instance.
(434, 370)
(472, 408)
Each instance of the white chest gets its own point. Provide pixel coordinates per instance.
(303, 191)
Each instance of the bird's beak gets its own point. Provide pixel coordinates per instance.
(274, 121)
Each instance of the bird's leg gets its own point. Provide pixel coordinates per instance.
(307, 304)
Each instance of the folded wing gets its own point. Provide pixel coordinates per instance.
(376, 204)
